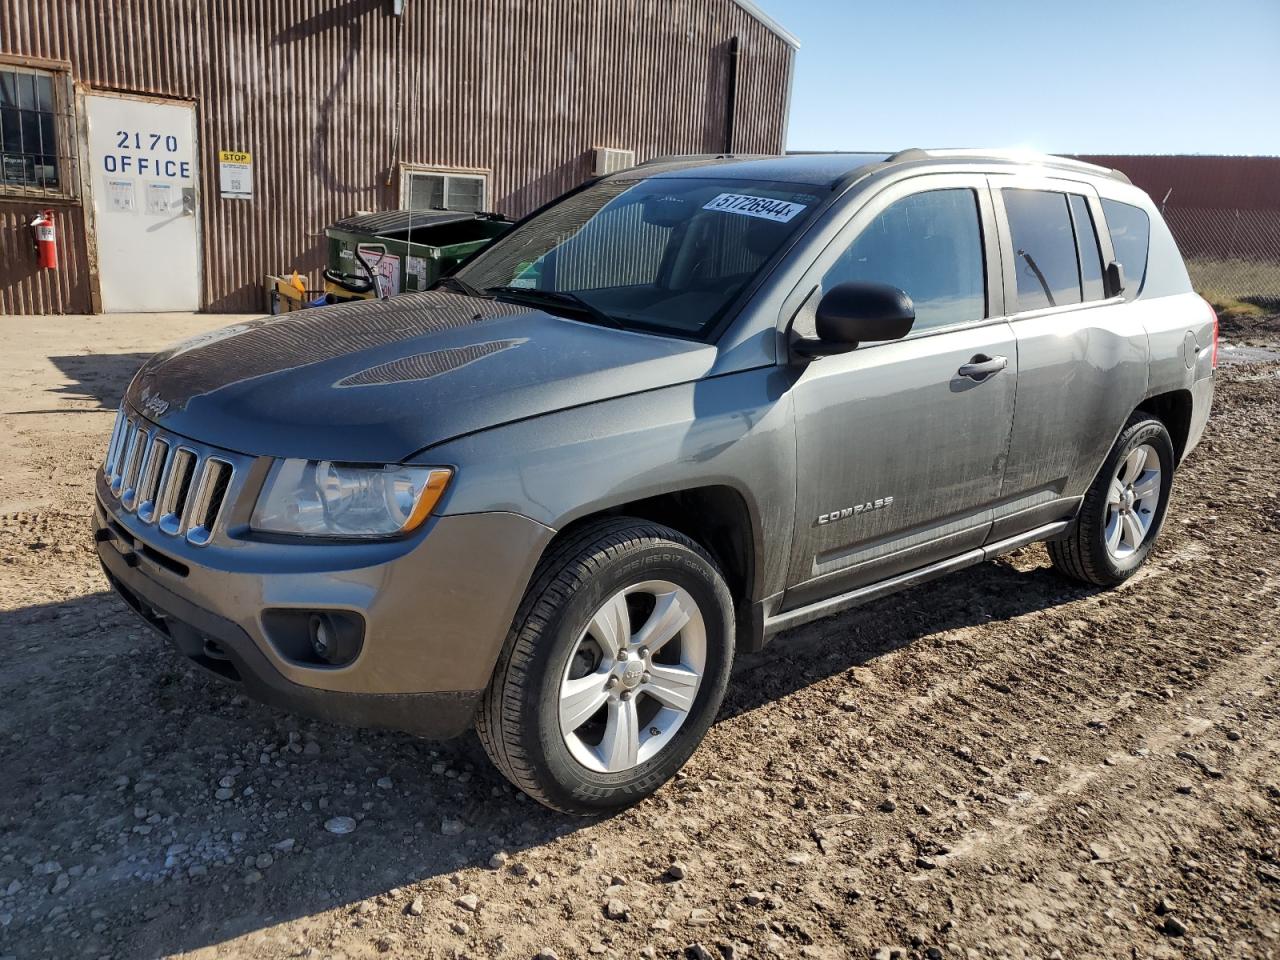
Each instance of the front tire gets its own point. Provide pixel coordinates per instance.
(616, 664)
(1124, 510)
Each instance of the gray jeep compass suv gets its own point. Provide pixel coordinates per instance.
(681, 409)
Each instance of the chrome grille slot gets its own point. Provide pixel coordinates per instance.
(128, 436)
(206, 504)
(149, 483)
(133, 467)
(113, 448)
(175, 489)
(180, 486)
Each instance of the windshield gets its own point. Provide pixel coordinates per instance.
(668, 255)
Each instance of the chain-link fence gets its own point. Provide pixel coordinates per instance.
(1231, 254)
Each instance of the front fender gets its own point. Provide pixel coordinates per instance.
(735, 430)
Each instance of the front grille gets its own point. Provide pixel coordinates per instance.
(180, 489)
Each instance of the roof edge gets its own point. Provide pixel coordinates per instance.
(769, 23)
(1016, 155)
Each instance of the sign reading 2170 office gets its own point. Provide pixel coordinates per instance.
(148, 154)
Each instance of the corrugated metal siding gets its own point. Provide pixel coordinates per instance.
(1224, 183)
(1218, 208)
(24, 288)
(521, 88)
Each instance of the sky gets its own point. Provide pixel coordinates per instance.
(1087, 76)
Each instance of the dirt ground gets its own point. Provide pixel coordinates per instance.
(999, 764)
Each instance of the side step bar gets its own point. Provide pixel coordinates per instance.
(873, 591)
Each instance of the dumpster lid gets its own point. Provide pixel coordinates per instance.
(388, 221)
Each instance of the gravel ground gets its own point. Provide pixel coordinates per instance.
(1000, 764)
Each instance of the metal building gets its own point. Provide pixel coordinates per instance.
(188, 148)
(1225, 214)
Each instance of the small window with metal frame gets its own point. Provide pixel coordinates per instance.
(424, 188)
(36, 141)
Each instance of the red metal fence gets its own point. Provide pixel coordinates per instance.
(1225, 214)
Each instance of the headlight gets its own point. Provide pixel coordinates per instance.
(320, 498)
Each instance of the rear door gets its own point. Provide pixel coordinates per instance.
(900, 454)
(1082, 354)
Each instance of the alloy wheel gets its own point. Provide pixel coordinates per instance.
(632, 678)
(1132, 500)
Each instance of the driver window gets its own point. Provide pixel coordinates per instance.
(928, 244)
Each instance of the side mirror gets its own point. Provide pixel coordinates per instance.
(851, 313)
(1115, 279)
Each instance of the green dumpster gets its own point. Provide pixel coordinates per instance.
(420, 246)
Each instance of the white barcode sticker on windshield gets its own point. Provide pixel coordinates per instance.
(766, 208)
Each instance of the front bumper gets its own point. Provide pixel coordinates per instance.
(436, 612)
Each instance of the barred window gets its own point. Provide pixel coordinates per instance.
(29, 130)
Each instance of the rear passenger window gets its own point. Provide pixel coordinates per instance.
(1044, 248)
(1130, 230)
(1087, 248)
(929, 245)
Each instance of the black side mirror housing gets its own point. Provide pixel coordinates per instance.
(852, 313)
(1115, 279)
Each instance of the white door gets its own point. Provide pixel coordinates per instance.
(142, 158)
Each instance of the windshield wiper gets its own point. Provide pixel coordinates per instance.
(1044, 284)
(556, 298)
(460, 285)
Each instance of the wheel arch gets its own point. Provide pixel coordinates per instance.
(719, 518)
(1174, 410)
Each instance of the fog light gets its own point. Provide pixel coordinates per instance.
(320, 638)
(315, 638)
(335, 637)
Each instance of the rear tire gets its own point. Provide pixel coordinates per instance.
(1124, 509)
(581, 714)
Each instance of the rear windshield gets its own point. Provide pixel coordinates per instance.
(666, 255)
(1130, 230)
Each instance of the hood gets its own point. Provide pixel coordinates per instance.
(378, 380)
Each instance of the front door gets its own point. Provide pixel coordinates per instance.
(901, 445)
(142, 158)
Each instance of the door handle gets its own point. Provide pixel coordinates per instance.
(982, 366)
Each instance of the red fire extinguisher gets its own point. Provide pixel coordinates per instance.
(46, 239)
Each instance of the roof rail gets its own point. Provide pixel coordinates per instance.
(1008, 156)
(911, 153)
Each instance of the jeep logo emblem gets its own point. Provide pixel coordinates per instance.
(632, 673)
(153, 403)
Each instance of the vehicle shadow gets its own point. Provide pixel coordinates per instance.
(116, 748)
(102, 377)
(985, 593)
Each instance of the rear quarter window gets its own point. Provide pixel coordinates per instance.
(1130, 230)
